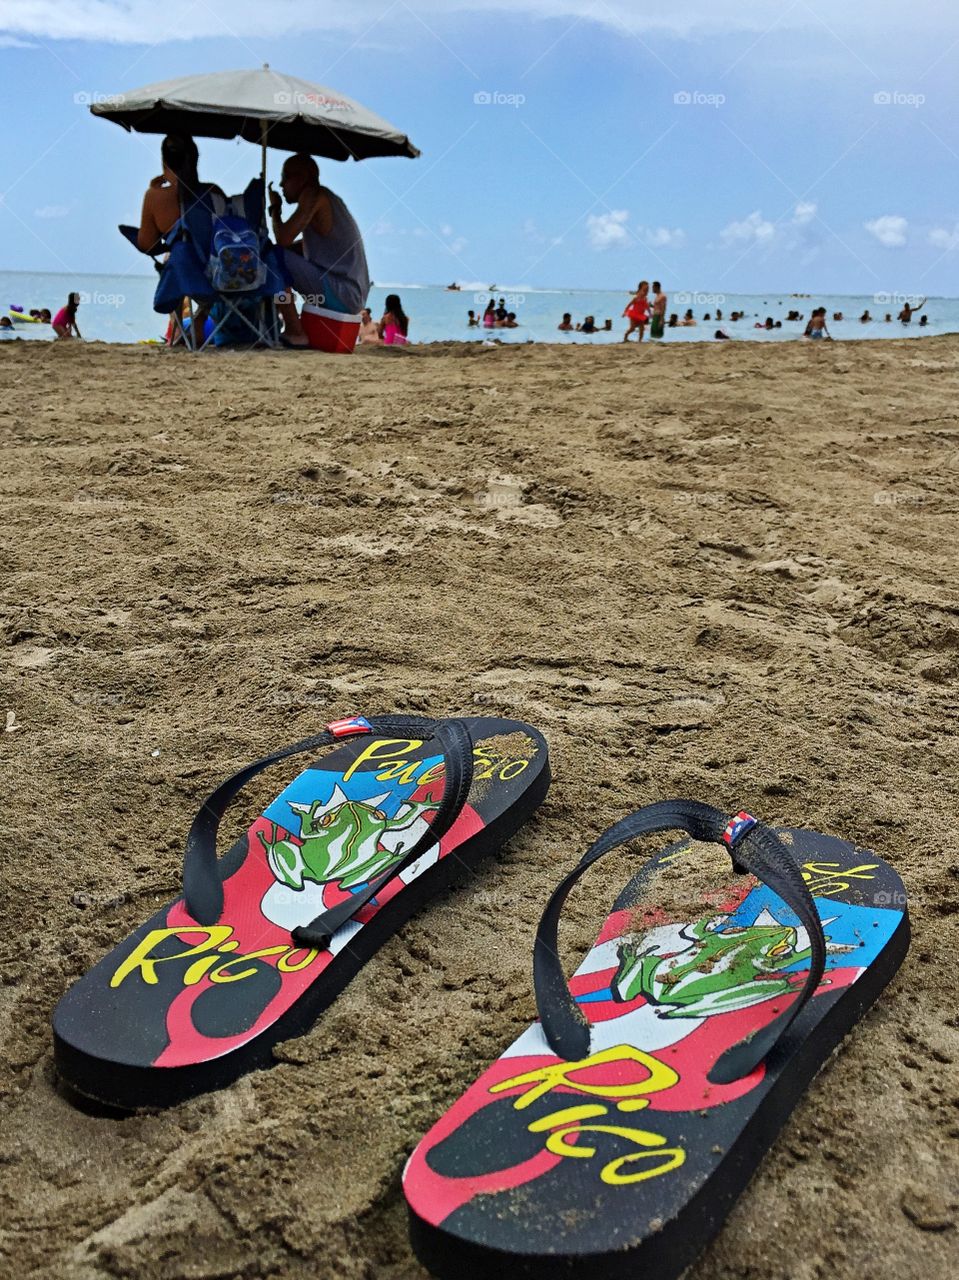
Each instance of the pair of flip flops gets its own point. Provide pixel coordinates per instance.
(710, 1028)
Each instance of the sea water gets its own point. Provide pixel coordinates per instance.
(119, 308)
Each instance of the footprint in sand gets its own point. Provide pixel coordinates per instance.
(505, 498)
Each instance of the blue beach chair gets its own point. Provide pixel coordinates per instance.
(219, 256)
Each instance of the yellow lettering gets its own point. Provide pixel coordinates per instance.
(139, 957)
(403, 772)
(556, 1142)
(565, 1127)
(199, 967)
(431, 775)
(824, 879)
(286, 964)
(561, 1075)
(390, 751)
(673, 1157)
(223, 972)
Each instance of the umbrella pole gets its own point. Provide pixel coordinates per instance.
(269, 305)
(264, 130)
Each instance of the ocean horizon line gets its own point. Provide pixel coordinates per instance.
(700, 292)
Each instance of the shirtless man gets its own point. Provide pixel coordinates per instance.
(369, 334)
(905, 315)
(322, 248)
(658, 310)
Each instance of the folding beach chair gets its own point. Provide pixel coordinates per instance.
(219, 257)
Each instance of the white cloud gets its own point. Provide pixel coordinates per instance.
(14, 42)
(890, 230)
(944, 239)
(805, 212)
(752, 230)
(608, 230)
(796, 235)
(135, 21)
(663, 237)
(52, 211)
(455, 243)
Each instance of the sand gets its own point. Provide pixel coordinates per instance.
(724, 572)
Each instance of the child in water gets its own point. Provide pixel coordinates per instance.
(637, 311)
(65, 321)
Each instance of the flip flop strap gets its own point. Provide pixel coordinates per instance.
(754, 848)
(202, 883)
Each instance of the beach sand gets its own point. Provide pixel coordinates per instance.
(721, 572)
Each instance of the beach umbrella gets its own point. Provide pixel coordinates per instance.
(263, 107)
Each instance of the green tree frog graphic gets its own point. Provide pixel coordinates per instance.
(723, 967)
(350, 841)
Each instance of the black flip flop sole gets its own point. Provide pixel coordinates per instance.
(109, 1035)
(508, 1208)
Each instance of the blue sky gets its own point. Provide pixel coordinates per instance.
(738, 146)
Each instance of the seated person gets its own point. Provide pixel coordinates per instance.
(588, 325)
(369, 334)
(395, 326)
(566, 325)
(471, 320)
(673, 321)
(511, 322)
(6, 322)
(322, 248)
(166, 195)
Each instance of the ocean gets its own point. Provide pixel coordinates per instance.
(118, 308)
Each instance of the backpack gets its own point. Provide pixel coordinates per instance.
(235, 264)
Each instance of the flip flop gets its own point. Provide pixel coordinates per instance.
(264, 939)
(613, 1137)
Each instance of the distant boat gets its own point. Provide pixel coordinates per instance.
(492, 287)
(452, 288)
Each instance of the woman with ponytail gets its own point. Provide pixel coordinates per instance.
(175, 189)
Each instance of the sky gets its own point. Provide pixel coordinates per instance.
(737, 147)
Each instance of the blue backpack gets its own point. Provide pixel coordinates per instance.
(235, 263)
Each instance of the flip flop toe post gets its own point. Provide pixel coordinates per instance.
(612, 1138)
(264, 938)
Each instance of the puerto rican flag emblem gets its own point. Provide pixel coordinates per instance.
(737, 827)
(346, 728)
